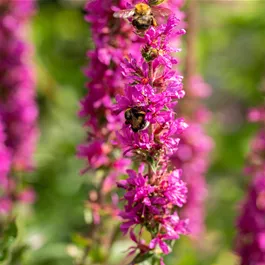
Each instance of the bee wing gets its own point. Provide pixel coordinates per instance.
(161, 11)
(155, 2)
(159, 71)
(126, 13)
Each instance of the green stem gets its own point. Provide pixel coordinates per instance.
(94, 227)
(150, 130)
(150, 73)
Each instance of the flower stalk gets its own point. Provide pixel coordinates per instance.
(153, 189)
(150, 73)
(18, 109)
(18, 118)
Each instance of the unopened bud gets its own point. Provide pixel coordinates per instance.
(149, 53)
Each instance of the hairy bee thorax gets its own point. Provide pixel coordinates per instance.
(142, 9)
(143, 18)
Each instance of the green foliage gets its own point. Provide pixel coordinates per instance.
(7, 240)
(142, 257)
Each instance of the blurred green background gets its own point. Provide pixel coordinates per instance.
(231, 59)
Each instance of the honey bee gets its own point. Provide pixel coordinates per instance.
(136, 118)
(143, 15)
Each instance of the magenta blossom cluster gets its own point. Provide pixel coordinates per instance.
(154, 192)
(150, 204)
(193, 155)
(250, 243)
(18, 110)
(17, 104)
(113, 39)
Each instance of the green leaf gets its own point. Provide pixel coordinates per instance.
(142, 257)
(97, 254)
(3, 253)
(11, 231)
(81, 241)
(17, 254)
(9, 236)
(152, 163)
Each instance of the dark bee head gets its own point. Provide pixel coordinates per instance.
(128, 114)
(136, 118)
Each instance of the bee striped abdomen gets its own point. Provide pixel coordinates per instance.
(136, 118)
(142, 24)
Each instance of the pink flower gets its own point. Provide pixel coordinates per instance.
(150, 203)
(250, 241)
(256, 115)
(5, 159)
(27, 196)
(96, 153)
(5, 205)
(158, 39)
(158, 241)
(18, 108)
(193, 156)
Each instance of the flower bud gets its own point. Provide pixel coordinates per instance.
(149, 53)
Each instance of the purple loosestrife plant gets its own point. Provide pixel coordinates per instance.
(154, 191)
(5, 158)
(18, 109)
(18, 115)
(250, 243)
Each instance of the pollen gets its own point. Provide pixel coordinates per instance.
(145, 81)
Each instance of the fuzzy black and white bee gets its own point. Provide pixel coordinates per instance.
(143, 15)
(136, 118)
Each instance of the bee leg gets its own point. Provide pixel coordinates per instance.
(154, 23)
(145, 125)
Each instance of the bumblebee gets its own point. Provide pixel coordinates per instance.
(136, 118)
(143, 15)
